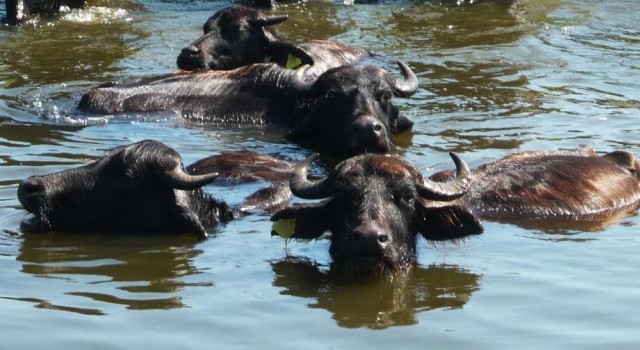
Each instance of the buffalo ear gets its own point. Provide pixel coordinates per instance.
(403, 124)
(288, 55)
(448, 223)
(186, 219)
(300, 222)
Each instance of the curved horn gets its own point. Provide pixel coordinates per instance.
(301, 81)
(179, 179)
(447, 191)
(409, 86)
(267, 21)
(302, 187)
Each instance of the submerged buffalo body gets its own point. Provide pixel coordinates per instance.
(238, 36)
(139, 187)
(345, 111)
(143, 187)
(567, 185)
(378, 203)
(377, 206)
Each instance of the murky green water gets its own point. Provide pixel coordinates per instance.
(496, 77)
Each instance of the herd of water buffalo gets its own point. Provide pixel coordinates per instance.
(373, 203)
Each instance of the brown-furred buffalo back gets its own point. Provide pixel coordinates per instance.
(572, 184)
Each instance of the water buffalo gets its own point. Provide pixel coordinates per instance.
(141, 187)
(239, 36)
(565, 186)
(19, 11)
(378, 203)
(345, 111)
(377, 206)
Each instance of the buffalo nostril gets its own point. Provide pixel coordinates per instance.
(369, 239)
(30, 185)
(366, 127)
(191, 50)
(26, 190)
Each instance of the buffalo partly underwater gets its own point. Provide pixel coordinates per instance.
(238, 36)
(376, 205)
(345, 111)
(141, 187)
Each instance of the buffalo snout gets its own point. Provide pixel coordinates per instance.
(369, 242)
(368, 130)
(30, 191)
(368, 135)
(191, 58)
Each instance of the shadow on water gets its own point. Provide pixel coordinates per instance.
(145, 273)
(375, 302)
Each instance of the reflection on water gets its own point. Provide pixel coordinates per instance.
(450, 27)
(496, 77)
(311, 20)
(45, 62)
(137, 272)
(375, 302)
(65, 50)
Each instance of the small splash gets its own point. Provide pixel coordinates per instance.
(62, 116)
(95, 14)
(566, 30)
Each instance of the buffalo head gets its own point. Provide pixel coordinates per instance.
(345, 111)
(376, 206)
(238, 36)
(350, 111)
(233, 37)
(139, 187)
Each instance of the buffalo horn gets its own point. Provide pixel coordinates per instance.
(177, 178)
(447, 191)
(267, 21)
(303, 188)
(409, 85)
(300, 81)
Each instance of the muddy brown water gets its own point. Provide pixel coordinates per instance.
(496, 77)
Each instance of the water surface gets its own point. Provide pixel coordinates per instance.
(496, 77)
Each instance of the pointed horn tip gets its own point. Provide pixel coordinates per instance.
(180, 179)
(270, 20)
(409, 86)
(303, 188)
(304, 164)
(461, 166)
(311, 158)
(211, 176)
(406, 70)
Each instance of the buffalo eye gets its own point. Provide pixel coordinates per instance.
(404, 199)
(331, 94)
(408, 200)
(386, 98)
